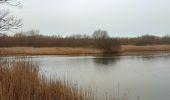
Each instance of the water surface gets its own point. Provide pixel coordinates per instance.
(138, 77)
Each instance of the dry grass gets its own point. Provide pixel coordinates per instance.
(20, 81)
(77, 51)
(47, 51)
(147, 48)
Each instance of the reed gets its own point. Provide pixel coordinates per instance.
(47, 51)
(146, 48)
(20, 80)
(80, 51)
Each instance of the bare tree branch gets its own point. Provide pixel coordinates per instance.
(7, 21)
(11, 2)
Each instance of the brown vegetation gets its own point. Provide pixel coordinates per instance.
(34, 39)
(99, 39)
(146, 48)
(79, 51)
(32, 42)
(20, 80)
(145, 40)
(47, 51)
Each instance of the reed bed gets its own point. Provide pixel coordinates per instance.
(20, 80)
(47, 51)
(146, 48)
(79, 51)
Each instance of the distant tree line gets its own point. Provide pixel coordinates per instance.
(99, 39)
(145, 40)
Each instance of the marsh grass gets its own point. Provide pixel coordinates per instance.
(81, 51)
(146, 48)
(20, 80)
(48, 51)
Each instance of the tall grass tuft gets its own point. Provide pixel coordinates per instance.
(20, 80)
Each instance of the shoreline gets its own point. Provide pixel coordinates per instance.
(124, 50)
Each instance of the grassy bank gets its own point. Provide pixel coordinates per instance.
(20, 80)
(77, 51)
(47, 51)
(146, 48)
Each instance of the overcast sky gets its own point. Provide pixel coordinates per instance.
(118, 17)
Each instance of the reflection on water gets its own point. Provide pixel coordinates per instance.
(141, 77)
(106, 59)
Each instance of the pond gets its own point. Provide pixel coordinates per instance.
(135, 77)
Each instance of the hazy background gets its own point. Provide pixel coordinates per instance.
(118, 17)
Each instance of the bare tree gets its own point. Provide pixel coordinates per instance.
(102, 40)
(100, 34)
(7, 21)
